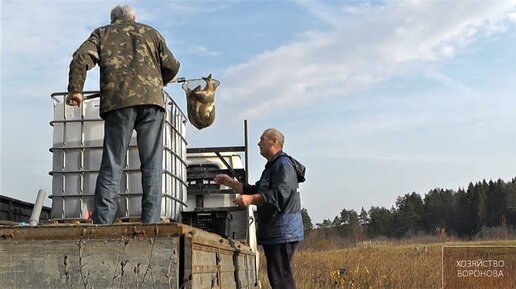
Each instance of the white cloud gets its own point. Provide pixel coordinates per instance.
(447, 51)
(199, 50)
(380, 43)
(512, 17)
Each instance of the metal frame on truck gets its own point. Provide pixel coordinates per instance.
(123, 255)
(126, 254)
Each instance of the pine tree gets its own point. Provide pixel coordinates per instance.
(307, 221)
(380, 222)
(363, 218)
(510, 210)
(439, 210)
(409, 214)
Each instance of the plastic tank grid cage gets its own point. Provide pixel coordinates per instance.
(77, 150)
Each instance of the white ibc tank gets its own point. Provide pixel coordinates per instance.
(77, 150)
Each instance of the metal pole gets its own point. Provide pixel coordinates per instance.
(246, 145)
(36, 212)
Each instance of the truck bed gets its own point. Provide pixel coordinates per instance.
(125, 255)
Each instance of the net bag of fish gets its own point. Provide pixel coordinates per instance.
(200, 101)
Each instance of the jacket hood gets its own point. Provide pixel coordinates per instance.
(299, 167)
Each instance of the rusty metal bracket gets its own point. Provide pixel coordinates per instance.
(133, 232)
(9, 235)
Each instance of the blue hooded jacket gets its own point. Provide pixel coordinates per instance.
(279, 216)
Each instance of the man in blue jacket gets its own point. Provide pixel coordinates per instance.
(280, 225)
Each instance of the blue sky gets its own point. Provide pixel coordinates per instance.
(376, 98)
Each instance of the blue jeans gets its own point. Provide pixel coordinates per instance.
(148, 122)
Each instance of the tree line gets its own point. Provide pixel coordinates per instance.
(462, 213)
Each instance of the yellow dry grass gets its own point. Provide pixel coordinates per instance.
(371, 265)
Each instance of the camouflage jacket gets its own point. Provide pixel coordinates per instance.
(134, 64)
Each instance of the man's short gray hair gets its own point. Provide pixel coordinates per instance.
(121, 11)
(274, 133)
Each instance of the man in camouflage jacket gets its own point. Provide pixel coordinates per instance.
(135, 64)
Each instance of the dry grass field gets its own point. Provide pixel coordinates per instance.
(371, 264)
